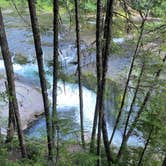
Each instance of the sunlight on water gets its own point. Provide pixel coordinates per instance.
(68, 95)
(118, 40)
(16, 67)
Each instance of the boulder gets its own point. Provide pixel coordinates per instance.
(29, 100)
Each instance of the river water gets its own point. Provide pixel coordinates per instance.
(21, 42)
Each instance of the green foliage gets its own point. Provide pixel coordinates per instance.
(119, 23)
(45, 5)
(142, 5)
(89, 81)
(3, 155)
(4, 3)
(156, 7)
(89, 6)
(84, 159)
(3, 97)
(116, 49)
(20, 59)
(67, 128)
(159, 8)
(6, 162)
(35, 150)
(154, 115)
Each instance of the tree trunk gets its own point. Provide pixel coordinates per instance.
(55, 76)
(93, 135)
(11, 84)
(11, 120)
(39, 55)
(98, 68)
(164, 161)
(99, 71)
(145, 147)
(128, 79)
(146, 99)
(130, 111)
(105, 54)
(79, 69)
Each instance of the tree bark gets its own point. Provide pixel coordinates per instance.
(79, 70)
(39, 56)
(105, 54)
(164, 161)
(11, 84)
(99, 70)
(11, 120)
(145, 147)
(55, 76)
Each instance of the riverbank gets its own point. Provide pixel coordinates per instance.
(29, 100)
(22, 48)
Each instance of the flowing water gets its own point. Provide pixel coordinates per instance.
(21, 42)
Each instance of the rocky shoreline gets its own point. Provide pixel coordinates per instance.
(29, 100)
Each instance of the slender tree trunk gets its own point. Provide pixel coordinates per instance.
(39, 55)
(93, 135)
(99, 70)
(55, 75)
(164, 161)
(11, 120)
(11, 84)
(128, 79)
(105, 54)
(11, 125)
(79, 69)
(131, 110)
(145, 101)
(145, 147)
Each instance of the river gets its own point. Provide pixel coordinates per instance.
(21, 43)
